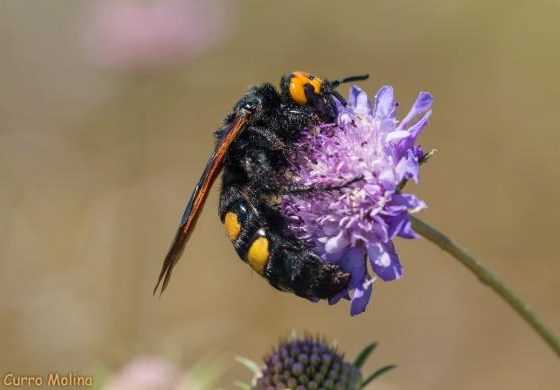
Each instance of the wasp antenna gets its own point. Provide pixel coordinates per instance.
(355, 78)
(349, 79)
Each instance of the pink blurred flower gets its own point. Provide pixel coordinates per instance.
(146, 373)
(134, 34)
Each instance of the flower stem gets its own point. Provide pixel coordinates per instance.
(488, 278)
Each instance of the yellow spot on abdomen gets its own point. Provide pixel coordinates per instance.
(258, 254)
(232, 225)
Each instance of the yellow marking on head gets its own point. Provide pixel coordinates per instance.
(232, 225)
(258, 254)
(297, 83)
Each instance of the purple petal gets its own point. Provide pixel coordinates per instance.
(407, 144)
(408, 168)
(422, 104)
(397, 135)
(387, 179)
(407, 231)
(354, 263)
(358, 100)
(417, 151)
(361, 297)
(344, 117)
(337, 243)
(385, 261)
(417, 128)
(400, 225)
(353, 95)
(380, 229)
(384, 103)
(396, 223)
(409, 201)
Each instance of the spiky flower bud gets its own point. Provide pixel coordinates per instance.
(307, 363)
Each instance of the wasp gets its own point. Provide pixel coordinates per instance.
(251, 148)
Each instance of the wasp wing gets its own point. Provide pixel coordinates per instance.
(198, 198)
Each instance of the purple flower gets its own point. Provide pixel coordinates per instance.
(156, 373)
(307, 363)
(146, 373)
(357, 165)
(144, 35)
(303, 363)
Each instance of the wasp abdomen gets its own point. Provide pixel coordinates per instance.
(232, 225)
(243, 228)
(259, 252)
(274, 254)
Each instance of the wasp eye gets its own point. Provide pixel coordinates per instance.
(249, 106)
(249, 103)
(298, 81)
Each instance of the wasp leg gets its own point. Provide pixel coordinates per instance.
(262, 169)
(295, 189)
(339, 97)
(324, 109)
(271, 138)
(293, 120)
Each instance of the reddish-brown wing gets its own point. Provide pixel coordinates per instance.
(197, 200)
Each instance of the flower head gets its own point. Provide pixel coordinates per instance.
(146, 373)
(303, 363)
(354, 170)
(156, 373)
(307, 363)
(143, 35)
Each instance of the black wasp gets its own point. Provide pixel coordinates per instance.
(250, 149)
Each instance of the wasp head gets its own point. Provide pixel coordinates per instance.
(303, 88)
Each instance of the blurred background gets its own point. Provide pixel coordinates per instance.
(106, 116)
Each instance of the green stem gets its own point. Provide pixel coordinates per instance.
(488, 278)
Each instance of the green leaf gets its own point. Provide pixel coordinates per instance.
(377, 374)
(100, 377)
(251, 365)
(363, 356)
